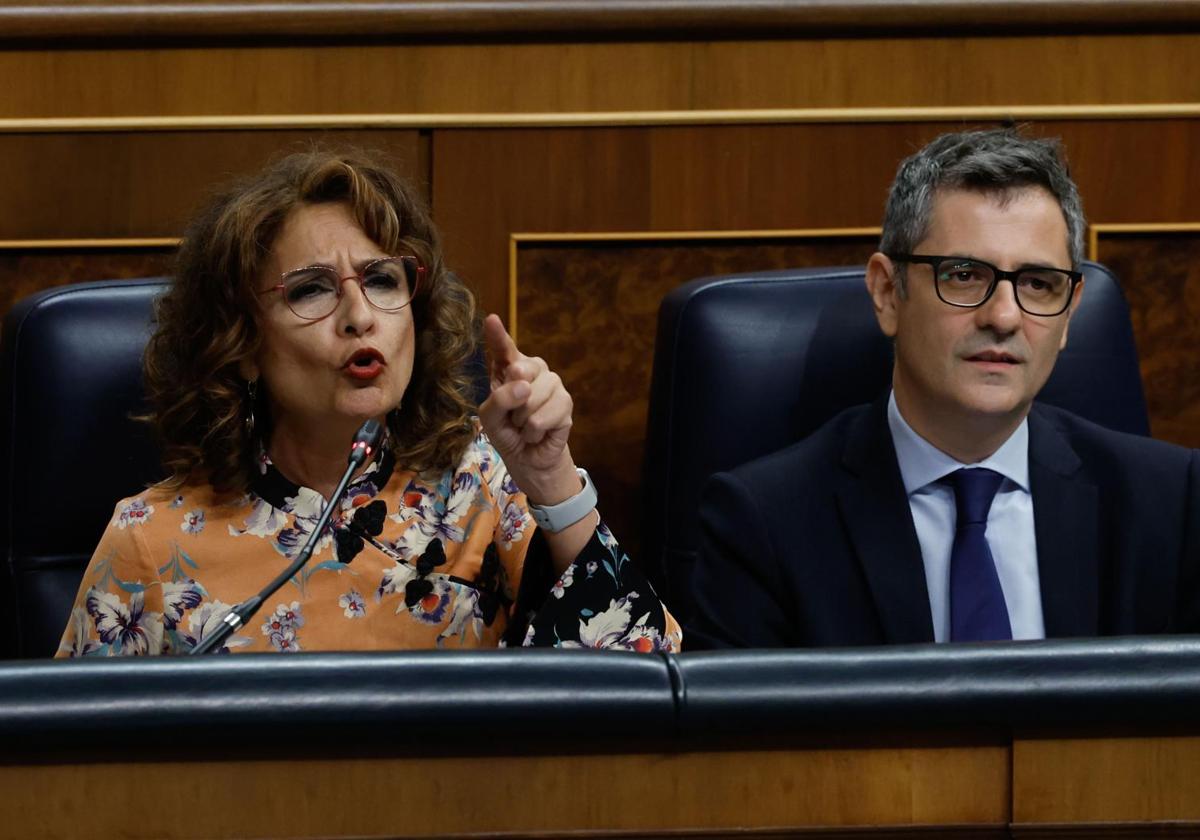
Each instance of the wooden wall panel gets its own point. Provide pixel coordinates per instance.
(642, 75)
(491, 183)
(123, 184)
(1160, 274)
(25, 271)
(590, 309)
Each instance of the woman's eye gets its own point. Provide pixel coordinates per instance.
(308, 289)
(380, 280)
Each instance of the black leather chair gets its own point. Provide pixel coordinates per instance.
(70, 367)
(747, 364)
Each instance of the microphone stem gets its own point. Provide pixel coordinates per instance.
(244, 611)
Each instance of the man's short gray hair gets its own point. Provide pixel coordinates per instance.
(995, 161)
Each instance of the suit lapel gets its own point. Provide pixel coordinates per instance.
(875, 509)
(1065, 511)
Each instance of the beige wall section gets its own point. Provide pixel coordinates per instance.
(582, 77)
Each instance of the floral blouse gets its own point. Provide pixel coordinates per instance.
(406, 562)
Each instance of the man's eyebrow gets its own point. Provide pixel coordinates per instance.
(1043, 264)
(1020, 267)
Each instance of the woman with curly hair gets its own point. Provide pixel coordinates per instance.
(307, 299)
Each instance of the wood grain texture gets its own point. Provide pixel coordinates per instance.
(586, 795)
(135, 185)
(24, 272)
(1160, 275)
(1106, 780)
(570, 77)
(591, 311)
(490, 184)
(121, 20)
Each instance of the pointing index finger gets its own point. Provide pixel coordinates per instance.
(500, 345)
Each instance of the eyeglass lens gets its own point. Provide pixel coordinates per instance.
(314, 292)
(1040, 291)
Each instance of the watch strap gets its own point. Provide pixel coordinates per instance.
(555, 518)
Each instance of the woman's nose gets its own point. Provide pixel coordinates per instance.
(355, 311)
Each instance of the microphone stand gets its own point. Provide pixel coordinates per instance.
(365, 441)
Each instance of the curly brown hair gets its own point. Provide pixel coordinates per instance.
(208, 321)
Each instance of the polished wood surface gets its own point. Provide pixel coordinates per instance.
(1162, 284)
(491, 184)
(25, 271)
(666, 179)
(465, 19)
(138, 185)
(585, 77)
(1029, 787)
(906, 786)
(590, 309)
(1106, 780)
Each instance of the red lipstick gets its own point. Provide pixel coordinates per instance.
(365, 364)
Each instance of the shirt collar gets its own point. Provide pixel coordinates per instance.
(922, 463)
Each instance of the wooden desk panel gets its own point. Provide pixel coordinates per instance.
(1063, 782)
(1129, 787)
(890, 787)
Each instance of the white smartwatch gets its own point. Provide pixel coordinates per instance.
(555, 518)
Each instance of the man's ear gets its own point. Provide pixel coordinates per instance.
(1076, 296)
(885, 294)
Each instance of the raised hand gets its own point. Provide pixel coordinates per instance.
(528, 419)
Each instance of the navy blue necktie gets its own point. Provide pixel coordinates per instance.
(977, 609)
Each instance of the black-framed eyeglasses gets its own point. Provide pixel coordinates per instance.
(968, 282)
(313, 292)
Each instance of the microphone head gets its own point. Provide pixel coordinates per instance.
(366, 441)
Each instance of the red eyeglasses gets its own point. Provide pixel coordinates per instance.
(313, 292)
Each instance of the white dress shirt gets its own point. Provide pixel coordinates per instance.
(1010, 533)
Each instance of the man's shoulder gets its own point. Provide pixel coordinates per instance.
(1095, 443)
(813, 456)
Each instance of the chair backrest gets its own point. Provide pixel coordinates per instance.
(746, 364)
(71, 372)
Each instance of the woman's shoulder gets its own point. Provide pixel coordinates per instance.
(159, 502)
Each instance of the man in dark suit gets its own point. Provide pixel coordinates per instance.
(954, 508)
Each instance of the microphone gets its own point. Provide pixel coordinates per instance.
(366, 442)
